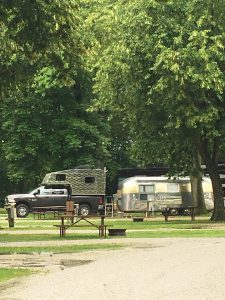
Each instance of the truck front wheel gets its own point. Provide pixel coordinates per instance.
(84, 210)
(22, 210)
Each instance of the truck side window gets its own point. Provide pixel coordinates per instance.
(59, 191)
(89, 179)
(46, 191)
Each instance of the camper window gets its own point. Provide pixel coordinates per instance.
(60, 177)
(89, 179)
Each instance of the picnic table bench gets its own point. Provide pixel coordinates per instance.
(41, 212)
(138, 219)
(166, 212)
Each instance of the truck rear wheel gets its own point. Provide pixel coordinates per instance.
(22, 210)
(84, 210)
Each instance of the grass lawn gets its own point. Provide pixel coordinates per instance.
(58, 249)
(28, 229)
(178, 234)
(6, 274)
(154, 227)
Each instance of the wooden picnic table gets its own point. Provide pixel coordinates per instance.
(101, 227)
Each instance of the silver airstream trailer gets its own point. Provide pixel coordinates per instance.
(142, 193)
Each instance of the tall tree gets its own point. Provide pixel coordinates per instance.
(166, 62)
(45, 91)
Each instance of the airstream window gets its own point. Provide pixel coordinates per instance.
(60, 177)
(143, 197)
(172, 188)
(146, 191)
(146, 188)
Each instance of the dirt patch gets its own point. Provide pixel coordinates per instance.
(39, 261)
(74, 262)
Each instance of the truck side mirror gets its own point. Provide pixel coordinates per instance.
(37, 193)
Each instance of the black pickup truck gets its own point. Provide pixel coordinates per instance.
(45, 197)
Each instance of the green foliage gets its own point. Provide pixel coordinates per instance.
(52, 132)
(87, 82)
(162, 65)
(46, 91)
(35, 34)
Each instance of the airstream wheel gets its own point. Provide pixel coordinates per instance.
(173, 212)
(186, 212)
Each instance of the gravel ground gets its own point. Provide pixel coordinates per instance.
(181, 269)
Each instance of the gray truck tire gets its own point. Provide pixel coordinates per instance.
(84, 210)
(22, 211)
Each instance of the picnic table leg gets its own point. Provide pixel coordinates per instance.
(62, 228)
(63, 231)
(102, 228)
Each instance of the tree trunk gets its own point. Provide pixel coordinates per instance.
(209, 151)
(198, 195)
(218, 212)
(196, 184)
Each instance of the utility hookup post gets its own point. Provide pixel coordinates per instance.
(69, 205)
(150, 208)
(11, 214)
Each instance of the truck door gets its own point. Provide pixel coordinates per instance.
(42, 197)
(51, 197)
(58, 197)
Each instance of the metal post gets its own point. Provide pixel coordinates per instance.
(76, 211)
(192, 214)
(102, 227)
(166, 213)
(147, 214)
(112, 215)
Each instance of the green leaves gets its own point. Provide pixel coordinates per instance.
(163, 66)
